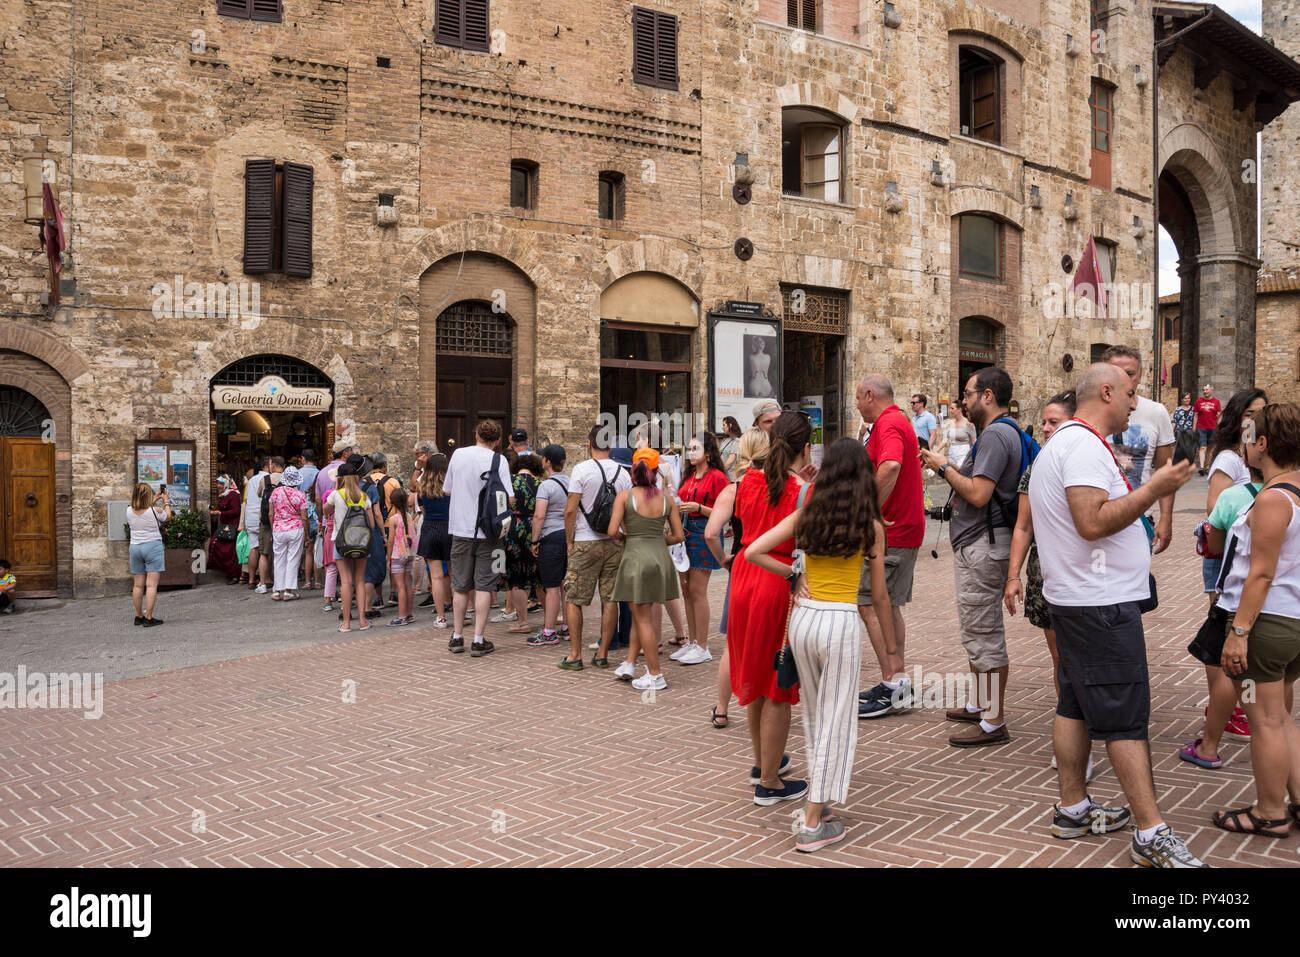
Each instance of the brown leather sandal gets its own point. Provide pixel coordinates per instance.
(1258, 825)
(719, 717)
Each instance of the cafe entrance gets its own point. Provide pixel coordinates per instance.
(272, 405)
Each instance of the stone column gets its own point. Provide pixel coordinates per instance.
(1226, 327)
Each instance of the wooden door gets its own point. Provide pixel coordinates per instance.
(27, 535)
(833, 397)
(470, 389)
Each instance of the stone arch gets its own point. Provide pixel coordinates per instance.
(1189, 155)
(671, 257)
(484, 235)
(819, 95)
(973, 199)
(21, 338)
(819, 271)
(306, 344)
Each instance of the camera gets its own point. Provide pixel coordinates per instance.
(940, 513)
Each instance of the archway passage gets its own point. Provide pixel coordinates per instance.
(475, 348)
(27, 492)
(273, 404)
(1178, 218)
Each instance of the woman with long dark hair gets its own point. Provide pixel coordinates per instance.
(698, 494)
(646, 575)
(759, 604)
(729, 445)
(435, 540)
(1227, 465)
(838, 527)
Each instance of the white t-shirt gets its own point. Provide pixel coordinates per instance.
(1077, 572)
(253, 494)
(1149, 428)
(586, 481)
(1230, 463)
(145, 527)
(463, 483)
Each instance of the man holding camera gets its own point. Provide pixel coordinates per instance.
(980, 534)
(892, 448)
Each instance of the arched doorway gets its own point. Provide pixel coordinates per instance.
(27, 492)
(475, 349)
(273, 404)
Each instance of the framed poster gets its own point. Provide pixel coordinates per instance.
(167, 462)
(744, 366)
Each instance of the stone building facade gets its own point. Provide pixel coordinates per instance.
(531, 212)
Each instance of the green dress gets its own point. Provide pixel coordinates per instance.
(646, 573)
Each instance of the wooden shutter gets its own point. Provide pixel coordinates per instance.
(475, 35)
(643, 46)
(984, 104)
(259, 214)
(447, 26)
(268, 11)
(810, 15)
(666, 50)
(298, 182)
(792, 12)
(235, 8)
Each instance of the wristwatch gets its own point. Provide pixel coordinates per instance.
(943, 468)
(1238, 630)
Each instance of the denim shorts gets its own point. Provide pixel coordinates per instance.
(1210, 572)
(147, 557)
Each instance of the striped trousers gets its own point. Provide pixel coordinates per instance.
(826, 640)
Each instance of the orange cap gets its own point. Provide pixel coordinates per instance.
(649, 456)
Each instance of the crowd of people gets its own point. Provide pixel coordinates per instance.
(816, 555)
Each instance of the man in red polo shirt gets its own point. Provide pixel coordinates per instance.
(1207, 419)
(893, 450)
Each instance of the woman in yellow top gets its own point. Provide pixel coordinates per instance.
(838, 524)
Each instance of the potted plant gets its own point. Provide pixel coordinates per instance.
(186, 531)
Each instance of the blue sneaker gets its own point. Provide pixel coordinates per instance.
(793, 790)
(756, 773)
(881, 701)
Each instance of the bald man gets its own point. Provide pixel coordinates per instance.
(1096, 563)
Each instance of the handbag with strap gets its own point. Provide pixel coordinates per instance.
(162, 532)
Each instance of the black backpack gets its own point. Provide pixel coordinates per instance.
(494, 515)
(602, 509)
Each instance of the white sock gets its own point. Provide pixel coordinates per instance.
(973, 708)
(478, 639)
(457, 637)
(891, 685)
(1146, 835)
(1074, 810)
(988, 728)
(810, 830)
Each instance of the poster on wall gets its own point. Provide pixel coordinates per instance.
(151, 465)
(744, 366)
(812, 405)
(178, 491)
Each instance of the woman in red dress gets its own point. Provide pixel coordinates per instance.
(221, 555)
(760, 605)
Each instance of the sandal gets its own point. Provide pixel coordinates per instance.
(719, 717)
(1294, 811)
(1258, 826)
(1190, 753)
(677, 642)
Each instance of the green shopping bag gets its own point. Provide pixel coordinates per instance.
(241, 547)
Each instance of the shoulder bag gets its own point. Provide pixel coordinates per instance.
(787, 675)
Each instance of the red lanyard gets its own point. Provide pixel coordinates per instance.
(691, 485)
(1127, 484)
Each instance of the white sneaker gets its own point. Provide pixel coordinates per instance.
(1087, 775)
(696, 656)
(681, 652)
(625, 672)
(594, 645)
(260, 590)
(648, 681)
(502, 616)
(440, 623)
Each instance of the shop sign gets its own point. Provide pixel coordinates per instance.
(271, 394)
(977, 354)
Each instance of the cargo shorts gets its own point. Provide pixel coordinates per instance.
(591, 564)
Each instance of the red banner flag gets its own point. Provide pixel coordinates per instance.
(1089, 281)
(52, 238)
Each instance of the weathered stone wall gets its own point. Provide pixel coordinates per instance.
(1277, 330)
(1279, 170)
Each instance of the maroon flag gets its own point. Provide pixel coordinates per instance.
(52, 238)
(1088, 280)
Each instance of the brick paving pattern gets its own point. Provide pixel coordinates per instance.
(505, 760)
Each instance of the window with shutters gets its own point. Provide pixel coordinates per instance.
(1102, 103)
(980, 86)
(523, 184)
(812, 154)
(461, 23)
(267, 11)
(654, 48)
(278, 217)
(610, 197)
(803, 14)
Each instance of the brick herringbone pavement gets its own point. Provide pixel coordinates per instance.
(449, 760)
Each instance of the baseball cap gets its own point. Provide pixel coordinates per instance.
(518, 435)
(555, 455)
(649, 456)
(342, 445)
(622, 455)
(763, 406)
